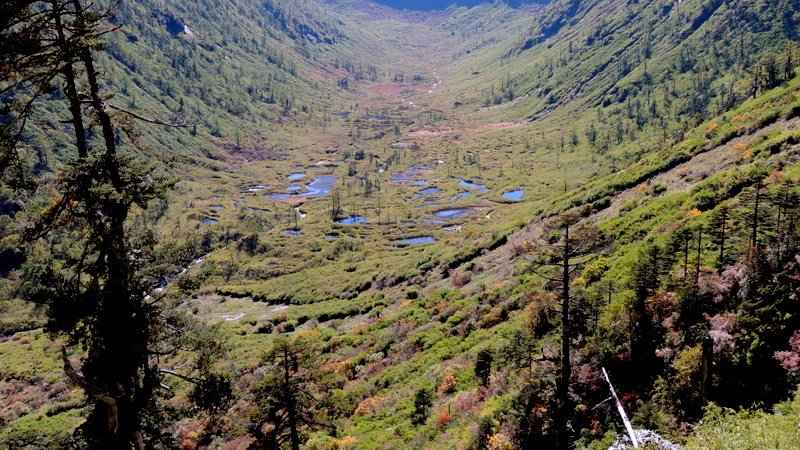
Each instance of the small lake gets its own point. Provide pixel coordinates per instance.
(456, 213)
(514, 195)
(280, 196)
(414, 175)
(352, 220)
(217, 207)
(416, 240)
(430, 191)
(460, 196)
(321, 186)
(296, 176)
(332, 236)
(472, 185)
(436, 221)
(207, 221)
(292, 232)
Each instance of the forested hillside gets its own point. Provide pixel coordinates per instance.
(300, 224)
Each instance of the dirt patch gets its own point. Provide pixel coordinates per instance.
(431, 132)
(501, 126)
(394, 90)
(480, 128)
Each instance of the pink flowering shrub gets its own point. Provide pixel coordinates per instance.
(722, 328)
(791, 360)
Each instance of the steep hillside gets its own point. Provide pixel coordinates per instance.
(618, 72)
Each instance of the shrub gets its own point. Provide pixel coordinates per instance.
(443, 419)
(448, 385)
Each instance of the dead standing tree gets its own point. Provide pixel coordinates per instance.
(567, 245)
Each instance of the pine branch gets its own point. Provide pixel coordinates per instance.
(149, 119)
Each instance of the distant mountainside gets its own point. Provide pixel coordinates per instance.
(427, 5)
(636, 68)
(229, 67)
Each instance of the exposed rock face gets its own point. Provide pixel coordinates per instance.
(647, 439)
(174, 24)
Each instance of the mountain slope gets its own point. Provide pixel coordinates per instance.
(373, 187)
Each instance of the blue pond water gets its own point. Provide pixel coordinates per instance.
(341, 114)
(407, 223)
(430, 191)
(434, 220)
(461, 195)
(296, 176)
(352, 220)
(452, 213)
(280, 196)
(321, 186)
(217, 207)
(514, 195)
(413, 175)
(207, 221)
(416, 240)
(292, 232)
(471, 185)
(332, 236)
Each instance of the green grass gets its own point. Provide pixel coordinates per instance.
(723, 428)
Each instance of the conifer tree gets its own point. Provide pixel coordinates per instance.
(94, 287)
(483, 366)
(423, 400)
(286, 406)
(572, 244)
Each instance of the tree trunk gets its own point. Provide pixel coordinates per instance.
(70, 87)
(562, 389)
(291, 408)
